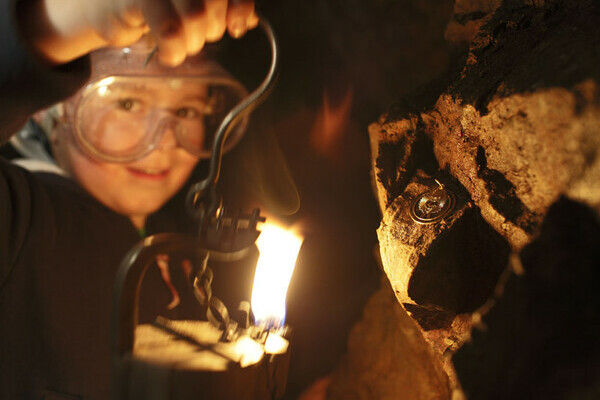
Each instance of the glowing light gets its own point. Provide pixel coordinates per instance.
(102, 90)
(249, 351)
(331, 123)
(275, 344)
(102, 86)
(278, 252)
(106, 81)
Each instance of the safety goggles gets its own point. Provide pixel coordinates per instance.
(124, 118)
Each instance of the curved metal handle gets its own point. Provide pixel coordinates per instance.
(124, 308)
(206, 189)
(124, 312)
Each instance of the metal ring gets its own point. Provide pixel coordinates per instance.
(217, 313)
(202, 288)
(432, 205)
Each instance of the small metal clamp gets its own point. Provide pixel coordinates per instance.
(432, 205)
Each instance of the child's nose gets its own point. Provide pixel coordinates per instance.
(168, 136)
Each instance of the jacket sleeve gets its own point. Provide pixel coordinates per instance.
(15, 214)
(27, 83)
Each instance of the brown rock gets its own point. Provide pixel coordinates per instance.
(467, 19)
(392, 155)
(388, 359)
(446, 267)
(515, 132)
(519, 129)
(503, 158)
(528, 103)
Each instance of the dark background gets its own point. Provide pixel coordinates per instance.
(361, 55)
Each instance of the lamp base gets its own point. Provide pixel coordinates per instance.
(167, 366)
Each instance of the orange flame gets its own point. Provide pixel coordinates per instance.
(331, 122)
(279, 249)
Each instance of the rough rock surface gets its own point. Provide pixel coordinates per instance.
(527, 103)
(417, 257)
(468, 17)
(518, 129)
(388, 359)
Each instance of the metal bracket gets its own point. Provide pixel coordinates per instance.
(432, 205)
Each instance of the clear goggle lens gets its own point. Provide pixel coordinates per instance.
(122, 119)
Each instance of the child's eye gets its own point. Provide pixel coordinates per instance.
(187, 112)
(129, 104)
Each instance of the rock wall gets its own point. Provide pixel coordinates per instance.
(514, 137)
(388, 358)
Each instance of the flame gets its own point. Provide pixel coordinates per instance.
(331, 122)
(278, 252)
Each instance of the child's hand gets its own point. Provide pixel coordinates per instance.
(62, 30)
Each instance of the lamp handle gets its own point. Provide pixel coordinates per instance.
(202, 200)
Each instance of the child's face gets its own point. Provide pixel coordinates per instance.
(138, 188)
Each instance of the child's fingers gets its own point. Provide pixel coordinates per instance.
(194, 18)
(240, 17)
(181, 27)
(216, 12)
(167, 28)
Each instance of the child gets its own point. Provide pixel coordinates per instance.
(134, 134)
(127, 143)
